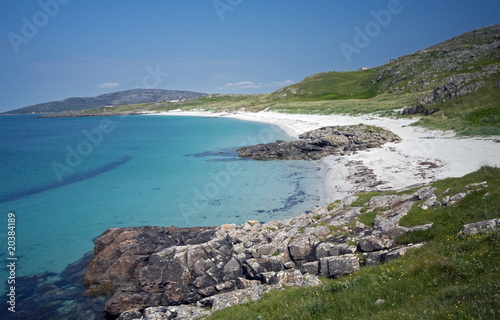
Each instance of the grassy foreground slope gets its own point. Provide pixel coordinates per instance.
(450, 277)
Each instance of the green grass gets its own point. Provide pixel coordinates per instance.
(367, 218)
(479, 205)
(330, 86)
(383, 104)
(486, 116)
(221, 102)
(363, 198)
(476, 114)
(449, 278)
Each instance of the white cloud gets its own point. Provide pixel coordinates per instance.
(240, 85)
(108, 85)
(254, 85)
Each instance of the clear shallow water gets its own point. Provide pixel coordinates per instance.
(69, 179)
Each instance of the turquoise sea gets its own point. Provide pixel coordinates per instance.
(67, 180)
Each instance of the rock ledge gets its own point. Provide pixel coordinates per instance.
(319, 143)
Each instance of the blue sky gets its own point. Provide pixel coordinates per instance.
(54, 49)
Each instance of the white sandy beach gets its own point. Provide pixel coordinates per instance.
(422, 156)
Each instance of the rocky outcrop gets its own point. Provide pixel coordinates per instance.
(453, 88)
(186, 273)
(480, 227)
(121, 253)
(319, 143)
(466, 55)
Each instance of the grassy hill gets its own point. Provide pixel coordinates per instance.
(329, 86)
(450, 277)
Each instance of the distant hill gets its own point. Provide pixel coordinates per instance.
(132, 96)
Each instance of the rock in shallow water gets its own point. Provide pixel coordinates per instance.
(319, 143)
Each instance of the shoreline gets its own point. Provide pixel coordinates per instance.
(423, 155)
(345, 175)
